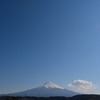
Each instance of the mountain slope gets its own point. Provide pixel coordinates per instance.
(46, 90)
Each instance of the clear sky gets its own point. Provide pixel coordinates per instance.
(55, 40)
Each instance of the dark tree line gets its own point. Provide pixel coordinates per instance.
(78, 97)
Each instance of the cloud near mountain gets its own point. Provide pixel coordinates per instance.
(82, 85)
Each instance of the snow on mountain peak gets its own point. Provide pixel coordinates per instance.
(49, 84)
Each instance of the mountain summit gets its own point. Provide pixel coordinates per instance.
(49, 84)
(46, 90)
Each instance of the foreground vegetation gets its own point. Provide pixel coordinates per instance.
(78, 97)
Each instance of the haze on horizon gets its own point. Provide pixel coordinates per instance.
(56, 40)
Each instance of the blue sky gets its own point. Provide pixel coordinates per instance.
(55, 40)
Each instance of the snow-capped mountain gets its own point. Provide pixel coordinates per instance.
(46, 90)
(51, 85)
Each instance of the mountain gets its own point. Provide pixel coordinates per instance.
(46, 90)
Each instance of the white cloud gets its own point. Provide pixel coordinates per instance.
(82, 85)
